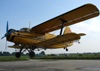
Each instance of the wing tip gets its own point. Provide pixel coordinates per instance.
(94, 6)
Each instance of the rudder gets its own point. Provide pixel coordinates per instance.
(67, 30)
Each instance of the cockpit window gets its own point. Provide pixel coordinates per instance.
(25, 30)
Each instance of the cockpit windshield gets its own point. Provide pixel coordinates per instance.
(25, 30)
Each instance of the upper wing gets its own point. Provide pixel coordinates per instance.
(82, 13)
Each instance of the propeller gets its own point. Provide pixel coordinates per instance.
(7, 28)
(6, 31)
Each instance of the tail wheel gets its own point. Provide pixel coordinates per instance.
(18, 54)
(66, 49)
(31, 54)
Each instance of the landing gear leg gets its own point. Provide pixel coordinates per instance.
(18, 54)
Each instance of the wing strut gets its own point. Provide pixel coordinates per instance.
(62, 25)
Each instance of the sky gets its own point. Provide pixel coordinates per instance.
(20, 12)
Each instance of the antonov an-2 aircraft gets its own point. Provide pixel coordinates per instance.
(40, 37)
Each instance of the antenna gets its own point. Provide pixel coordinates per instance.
(29, 24)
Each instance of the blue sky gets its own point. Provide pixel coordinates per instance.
(20, 12)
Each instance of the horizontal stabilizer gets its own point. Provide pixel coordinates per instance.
(81, 34)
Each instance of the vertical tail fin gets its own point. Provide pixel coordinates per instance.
(67, 30)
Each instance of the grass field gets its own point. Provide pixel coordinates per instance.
(93, 56)
(13, 58)
(87, 56)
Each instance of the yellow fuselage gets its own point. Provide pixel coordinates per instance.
(33, 39)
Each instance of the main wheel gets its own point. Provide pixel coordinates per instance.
(31, 54)
(17, 55)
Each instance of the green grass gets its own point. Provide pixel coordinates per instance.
(13, 58)
(72, 56)
(93, 56)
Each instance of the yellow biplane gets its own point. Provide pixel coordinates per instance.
(40, 37)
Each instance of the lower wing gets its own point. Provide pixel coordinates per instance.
(59, 40)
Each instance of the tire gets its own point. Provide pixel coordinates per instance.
(17, 55)
(31, 54)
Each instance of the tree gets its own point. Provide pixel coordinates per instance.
(13, 53)
(6, 53)
(0, 53)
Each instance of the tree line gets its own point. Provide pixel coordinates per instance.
(5, 53)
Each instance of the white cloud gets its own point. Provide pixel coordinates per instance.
(90, 43)
(91, 26)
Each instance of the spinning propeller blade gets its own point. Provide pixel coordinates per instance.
(5, 35)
